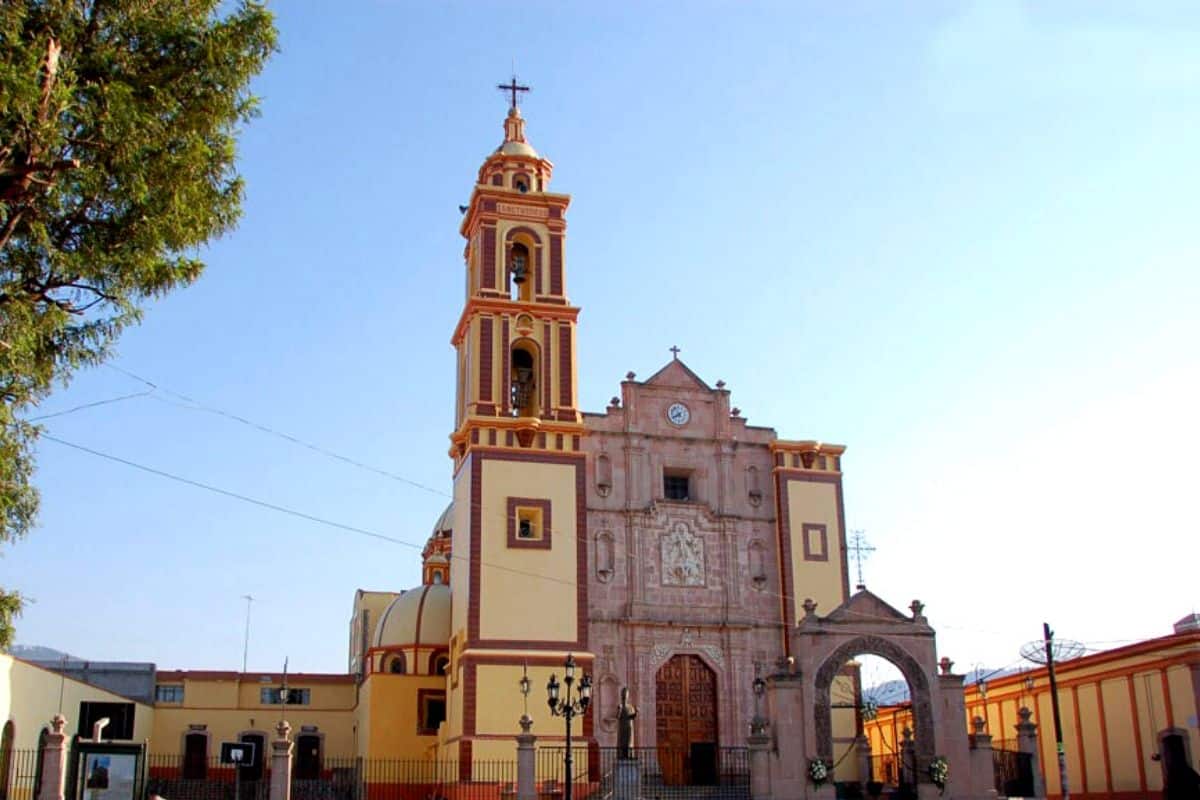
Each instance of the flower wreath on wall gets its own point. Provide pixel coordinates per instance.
(818, 771)
(939, 771)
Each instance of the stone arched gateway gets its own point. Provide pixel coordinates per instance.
(918, 686)
(798, 694)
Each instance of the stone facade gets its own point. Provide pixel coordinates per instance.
(666, 576)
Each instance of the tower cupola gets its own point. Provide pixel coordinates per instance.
(516, 336)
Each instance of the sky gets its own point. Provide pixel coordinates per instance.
(959, 238)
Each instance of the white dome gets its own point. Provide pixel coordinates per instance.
(419, 616)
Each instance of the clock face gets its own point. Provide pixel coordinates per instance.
(678, 414)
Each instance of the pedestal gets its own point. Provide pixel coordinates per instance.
(526, 766)
(54, 761)
(760, 766)
(281, 763)
(627, 783)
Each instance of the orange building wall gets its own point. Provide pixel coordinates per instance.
(1114, 705)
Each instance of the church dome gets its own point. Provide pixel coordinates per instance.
(419, 616)
(445, 523)
(517, 149)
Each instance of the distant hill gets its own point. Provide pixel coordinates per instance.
(888, 693)
(35, 652)
(893, 693)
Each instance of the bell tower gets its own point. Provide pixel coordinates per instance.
(520, 527)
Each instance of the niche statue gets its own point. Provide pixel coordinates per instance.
(626, 714)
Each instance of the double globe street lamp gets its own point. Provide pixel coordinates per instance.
(568, 708)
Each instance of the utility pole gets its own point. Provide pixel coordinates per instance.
(1048, 638)
(246, 645)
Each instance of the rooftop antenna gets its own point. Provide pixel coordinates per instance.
(246, 644)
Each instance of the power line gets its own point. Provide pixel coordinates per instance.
(86, 406)
(156, 391)
(285, 510)
(196, 405)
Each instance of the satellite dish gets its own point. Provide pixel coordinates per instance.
(1062, 649)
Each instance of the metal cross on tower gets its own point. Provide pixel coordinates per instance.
(675, 352)
(859, 551)
(512, 87)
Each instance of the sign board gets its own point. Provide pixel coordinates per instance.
(239, 754)
(105, 771)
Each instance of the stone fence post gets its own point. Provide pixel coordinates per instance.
(281, 762)
(54, 761)
(862, 754)
(1027, 742)
(982, 780)
(908, 758)
(526, 766)
(760, 766)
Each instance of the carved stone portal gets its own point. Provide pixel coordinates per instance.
(682, 557)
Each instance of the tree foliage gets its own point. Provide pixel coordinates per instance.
(118, 125)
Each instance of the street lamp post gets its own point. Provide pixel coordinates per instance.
(568, 708)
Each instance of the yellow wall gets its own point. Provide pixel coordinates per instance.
(231, 705)
(29, 696)
(535, 597)
(812, 502)
(1113, 708)
(389, 726)
(460, 547)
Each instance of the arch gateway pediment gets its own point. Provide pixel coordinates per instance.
(799, 693)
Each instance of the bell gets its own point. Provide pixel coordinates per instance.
(518, 269)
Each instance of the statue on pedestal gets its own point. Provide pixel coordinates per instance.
(626, 714)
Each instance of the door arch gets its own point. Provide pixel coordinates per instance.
(686, 720)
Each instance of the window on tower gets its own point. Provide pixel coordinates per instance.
(523, 398)
(520, 273)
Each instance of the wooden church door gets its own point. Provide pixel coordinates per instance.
(686, 711)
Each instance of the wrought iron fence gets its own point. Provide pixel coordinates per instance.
(699, 772)
(20, 775)
(1012, 773)
(178, 778)
(182, 778)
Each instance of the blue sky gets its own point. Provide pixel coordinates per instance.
(959, 238)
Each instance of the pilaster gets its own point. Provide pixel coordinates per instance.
(281, 762)
(54, 761)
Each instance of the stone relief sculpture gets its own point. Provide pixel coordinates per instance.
(682, 557)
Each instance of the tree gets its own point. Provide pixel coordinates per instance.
(118, 124)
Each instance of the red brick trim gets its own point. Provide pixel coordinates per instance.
(485, 358)
(1137, 732)
(1108, 780)
(516, 542)
(546, 367)
(556, 264)
(464, 760)
(783, 543)
(487, 659)
(1083, 770)
(506, 383)
(564, 366)
(420, 613)
(530, 232)
(808, 528)
(488, 259)
(577, 460)
(470, 698)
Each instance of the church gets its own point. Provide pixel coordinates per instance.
(667, 547)
(662, 541)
